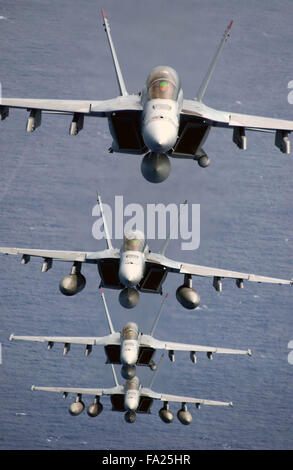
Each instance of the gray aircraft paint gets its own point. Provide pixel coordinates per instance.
(247, 211)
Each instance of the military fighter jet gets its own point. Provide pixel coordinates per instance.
(133, 268)
(131, 347)
(156, 122)
(131, 398)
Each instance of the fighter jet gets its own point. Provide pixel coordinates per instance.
(158, 121)
(131, 347)
(133, 268)
(131, 398)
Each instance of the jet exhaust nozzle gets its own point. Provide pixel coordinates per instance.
(130, 416)
(155, 167)
(129, 297)
(72, 284)
(188, 297)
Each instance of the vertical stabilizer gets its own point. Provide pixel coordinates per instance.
(212, 67)
(121, 84)
(156, 371)
(158, 316)
(114, 375)
(107, 312)
(108, 239)
(166, 243)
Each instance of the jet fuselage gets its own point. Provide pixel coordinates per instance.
(162, 102)
(132, 259)
(131, 268)
(131, 397)
(129, 344)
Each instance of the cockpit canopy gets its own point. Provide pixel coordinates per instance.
(130, 331)
(134, 241)
(163, 82)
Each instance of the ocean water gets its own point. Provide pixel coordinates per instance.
(48, 183)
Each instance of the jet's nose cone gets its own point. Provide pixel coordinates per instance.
(132, 405)
(129, 357)
(130, 275)
(131, 400)
(160, 135)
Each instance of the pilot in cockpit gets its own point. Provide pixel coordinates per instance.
(163, 83)
(134, 241)
(130, 331)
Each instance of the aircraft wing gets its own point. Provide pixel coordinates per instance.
(129, 105)
(196, 113)
(214, 272)
(59, 255)
(205, 271)
(147, 340)
(226, 119)
(87, 340)
(147, 392)
(83, 391)
(90, 108)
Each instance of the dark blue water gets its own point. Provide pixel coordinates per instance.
(48, 183)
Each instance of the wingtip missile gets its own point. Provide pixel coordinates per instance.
(103, 14)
